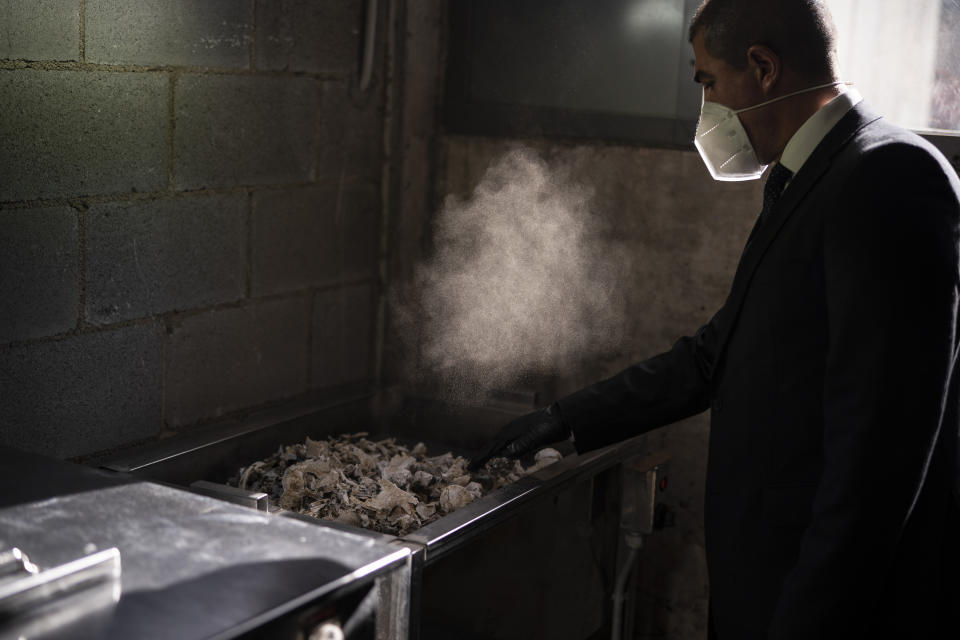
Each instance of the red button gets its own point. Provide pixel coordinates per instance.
(663, 484)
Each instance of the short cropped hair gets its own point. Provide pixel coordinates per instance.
(801, 32)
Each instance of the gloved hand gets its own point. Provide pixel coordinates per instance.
(525, 434)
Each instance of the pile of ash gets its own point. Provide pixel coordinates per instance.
(378, 485)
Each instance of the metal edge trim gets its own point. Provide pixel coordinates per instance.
(224, 433)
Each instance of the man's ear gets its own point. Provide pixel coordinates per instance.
(766, 67)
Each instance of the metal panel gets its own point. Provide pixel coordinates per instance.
(605, 55)
(614, 69)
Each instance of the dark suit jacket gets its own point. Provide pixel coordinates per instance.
(830, 376)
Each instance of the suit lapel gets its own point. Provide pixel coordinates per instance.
(762, 236)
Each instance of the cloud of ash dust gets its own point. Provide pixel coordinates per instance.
(525, 280)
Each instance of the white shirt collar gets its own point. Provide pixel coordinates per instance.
(817, 126)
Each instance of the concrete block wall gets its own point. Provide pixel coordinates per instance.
(190, 205)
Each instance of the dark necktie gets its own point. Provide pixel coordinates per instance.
(776, 182)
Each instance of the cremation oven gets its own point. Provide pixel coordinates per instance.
(535, 559)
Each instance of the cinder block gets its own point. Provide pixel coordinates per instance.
(351, 135)
(40, 29)
(156, 256)
(230, 359)
(212, 33)
(294, 239)
(39, 284)
(312, 236)
(317, 36)
(360, 220)
(235, 130)
(70, 133)
(344, 322)
(82, 394)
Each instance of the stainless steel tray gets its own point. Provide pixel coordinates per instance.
(212, 456)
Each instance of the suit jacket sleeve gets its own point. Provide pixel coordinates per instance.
(890, 260)
(655, 392)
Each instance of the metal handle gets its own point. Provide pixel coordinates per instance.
(18, 594)
(14, 561)
(253, 499)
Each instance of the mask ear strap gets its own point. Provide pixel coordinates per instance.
(795, 93)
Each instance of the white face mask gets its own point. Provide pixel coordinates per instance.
(723, 142)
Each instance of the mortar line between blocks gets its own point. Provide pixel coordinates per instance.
(8, 64)
(165, 334)
(171, 127)
(81, 265)
(311, 303)
(125, 196)
(83, 31)
(315, 169)
(248, 266)
(253, 35)
(390, 130)
(168, 317)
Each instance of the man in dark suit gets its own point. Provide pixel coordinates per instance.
(830, 371)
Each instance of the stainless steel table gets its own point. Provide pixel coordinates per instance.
(191, 566)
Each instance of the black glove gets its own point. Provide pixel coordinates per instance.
(525, 434)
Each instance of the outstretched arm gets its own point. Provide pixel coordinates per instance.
(666, 388)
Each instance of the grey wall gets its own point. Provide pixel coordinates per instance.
(190, 197)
